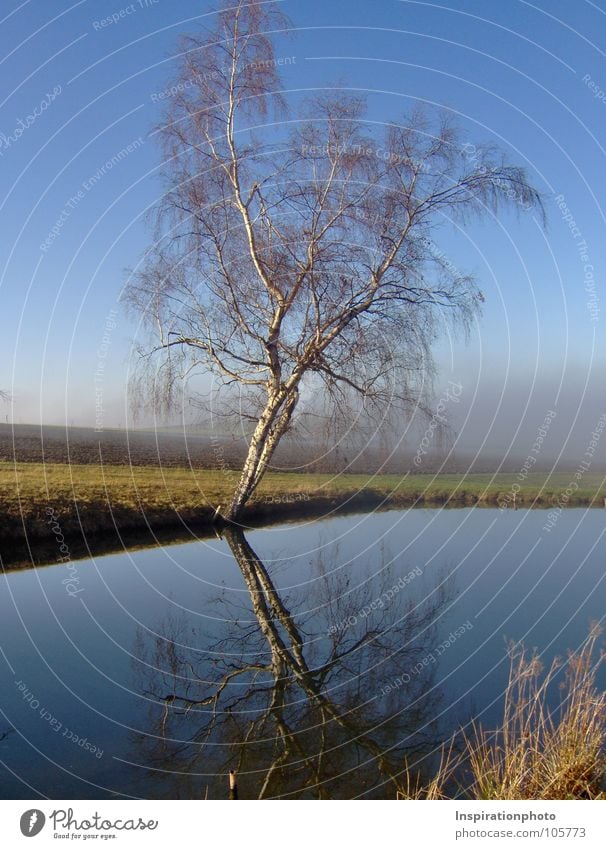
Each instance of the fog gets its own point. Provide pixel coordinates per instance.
(491, 423)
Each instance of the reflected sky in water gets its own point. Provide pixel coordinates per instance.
(339, 649)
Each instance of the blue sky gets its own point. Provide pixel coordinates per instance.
(528, 76)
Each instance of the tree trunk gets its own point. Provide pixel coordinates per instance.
(267, 434)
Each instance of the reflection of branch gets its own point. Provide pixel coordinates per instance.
(299, 714)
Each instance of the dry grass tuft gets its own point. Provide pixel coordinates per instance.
(537, 752)
(543, 754)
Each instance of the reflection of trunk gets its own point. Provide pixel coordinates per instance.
(287, 657)
(267, 604)
(270, 428)
(286, 654)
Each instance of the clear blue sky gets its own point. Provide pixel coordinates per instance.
(528, 76)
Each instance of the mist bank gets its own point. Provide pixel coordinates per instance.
(432, 451)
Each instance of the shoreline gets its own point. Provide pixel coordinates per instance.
(81, 523)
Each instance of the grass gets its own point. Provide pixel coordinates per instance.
(95, 500)
(537, 752)
(33, 483)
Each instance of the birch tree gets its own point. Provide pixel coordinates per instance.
(296, 254)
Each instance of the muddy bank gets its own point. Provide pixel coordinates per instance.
(42, 535)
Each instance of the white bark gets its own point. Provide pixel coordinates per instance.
(270, 428)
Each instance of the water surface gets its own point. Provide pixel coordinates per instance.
(314, 658)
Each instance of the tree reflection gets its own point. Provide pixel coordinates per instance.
(302, 699)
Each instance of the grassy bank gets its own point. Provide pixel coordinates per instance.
(114, 502)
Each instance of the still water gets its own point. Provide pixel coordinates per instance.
(312, 658)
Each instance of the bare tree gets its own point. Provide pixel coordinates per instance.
(296, 255)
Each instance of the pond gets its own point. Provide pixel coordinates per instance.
(313, 658)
